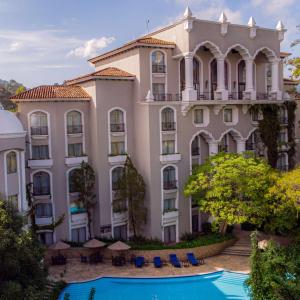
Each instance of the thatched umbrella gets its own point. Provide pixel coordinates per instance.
(92, 244)
(59, 246)
(119, 246)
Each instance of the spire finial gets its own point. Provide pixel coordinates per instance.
(188, 13)
(280, 26)
(251, 22)
(223, 18)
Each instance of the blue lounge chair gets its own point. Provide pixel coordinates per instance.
(174, 261)
(157, 262)
(139, 261)
(192, 259)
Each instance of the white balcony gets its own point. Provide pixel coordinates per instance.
(78, 219)
(170, 158)
(75, 161)
(40, 163)
(120, 217)
(43, 221)
(117, 159)
(172, 214)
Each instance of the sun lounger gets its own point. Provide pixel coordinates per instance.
(139, 261)
(192, 259)
(157, 262)
(174, 261)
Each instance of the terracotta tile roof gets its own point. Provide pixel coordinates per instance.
(107, 73)
(146, 41)
(45, 92)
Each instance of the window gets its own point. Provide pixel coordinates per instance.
(223, 146)
(196, 146)
(254, 116)
(158, 62)
(282, 115)
(117, 148)
(116, 177)
(182, 75)
(168, 147)
(158, 91)
(169, 178)
(228, 115)
(196, 80)
(170, 234)
(169, 204)
(41, 183)
(74, 122)
(39, 123)
(79, 235)
(282, 137)
(46, 238)
(40, 152)
(282, 162)
(117, 121)
(43, 210)
(75, 150)
(72, 184)
(167, 119)
(11, 162)
(13, 199)
(198, 116)
(120, 232)
(268, 77)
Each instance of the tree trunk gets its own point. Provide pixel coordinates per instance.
(223, 228)
(89, 223)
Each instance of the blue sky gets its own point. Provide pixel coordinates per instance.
(48, 41)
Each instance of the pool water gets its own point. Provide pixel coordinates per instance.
(214, 286)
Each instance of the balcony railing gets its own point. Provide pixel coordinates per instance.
(41, 191)
(170, 185)
(74, 129)
(39, 130)
(158, 68)
(116, 186)
(236, 96)
(168, 126)
(117, 127)
(203, 96)
(163, 97)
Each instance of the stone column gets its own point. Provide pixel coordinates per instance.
(213, 148)
(189, 93)
(221, 90)
(249, 78)
(241, 146)
(275, 75)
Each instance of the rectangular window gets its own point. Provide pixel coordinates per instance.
(170, 234)
(228, 115)
(75, 150)
(40, 152)
(169, 204)
(43, 210)
(46, 238)
(120, 232)
(11, 162)
(117, 148)
(168, 147)
(198, 116)
(79, 235)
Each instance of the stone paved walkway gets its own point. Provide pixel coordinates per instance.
(75, 271)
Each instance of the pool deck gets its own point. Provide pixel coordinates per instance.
(75, 271)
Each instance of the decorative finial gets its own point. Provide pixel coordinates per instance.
(251, 22)
(223, 18)
(280, 26)
(188, 13)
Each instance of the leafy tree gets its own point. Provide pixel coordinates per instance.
(294, 67)
(84, 180)
(275, 272)
(132, 189)
(22, 273)
(20, 89)
(232, 188)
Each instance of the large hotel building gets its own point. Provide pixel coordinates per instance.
(168, 99)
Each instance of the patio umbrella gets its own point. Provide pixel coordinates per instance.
(119, 246)
(60, 246)
(92, 244)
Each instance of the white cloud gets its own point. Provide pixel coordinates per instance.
(274, 7)
(14, 46)
(91, 47)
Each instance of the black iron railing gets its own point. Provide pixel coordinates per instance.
(120, 127)
(158, 68)
(162, 97)
(168, 126)
(170, 185)
(73, 129)
(39, 130)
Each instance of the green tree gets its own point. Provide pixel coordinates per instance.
(294, 67)
(20, 89)
(232, 188)
(84, 180)
(132, 189)
(22, 272)
(275, 272)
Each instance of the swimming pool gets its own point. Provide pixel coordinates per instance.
(214, 286)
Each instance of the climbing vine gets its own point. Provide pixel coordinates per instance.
(291, 108)
(269, 128)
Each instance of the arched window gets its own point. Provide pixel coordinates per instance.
(74, 122)
(169, 178)
(41, 183)
(39, 123)
(11, 162)
(116, 176)
(158, 62)
(167, 119)
(117, 121)
(72, 185)
(241, 78)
